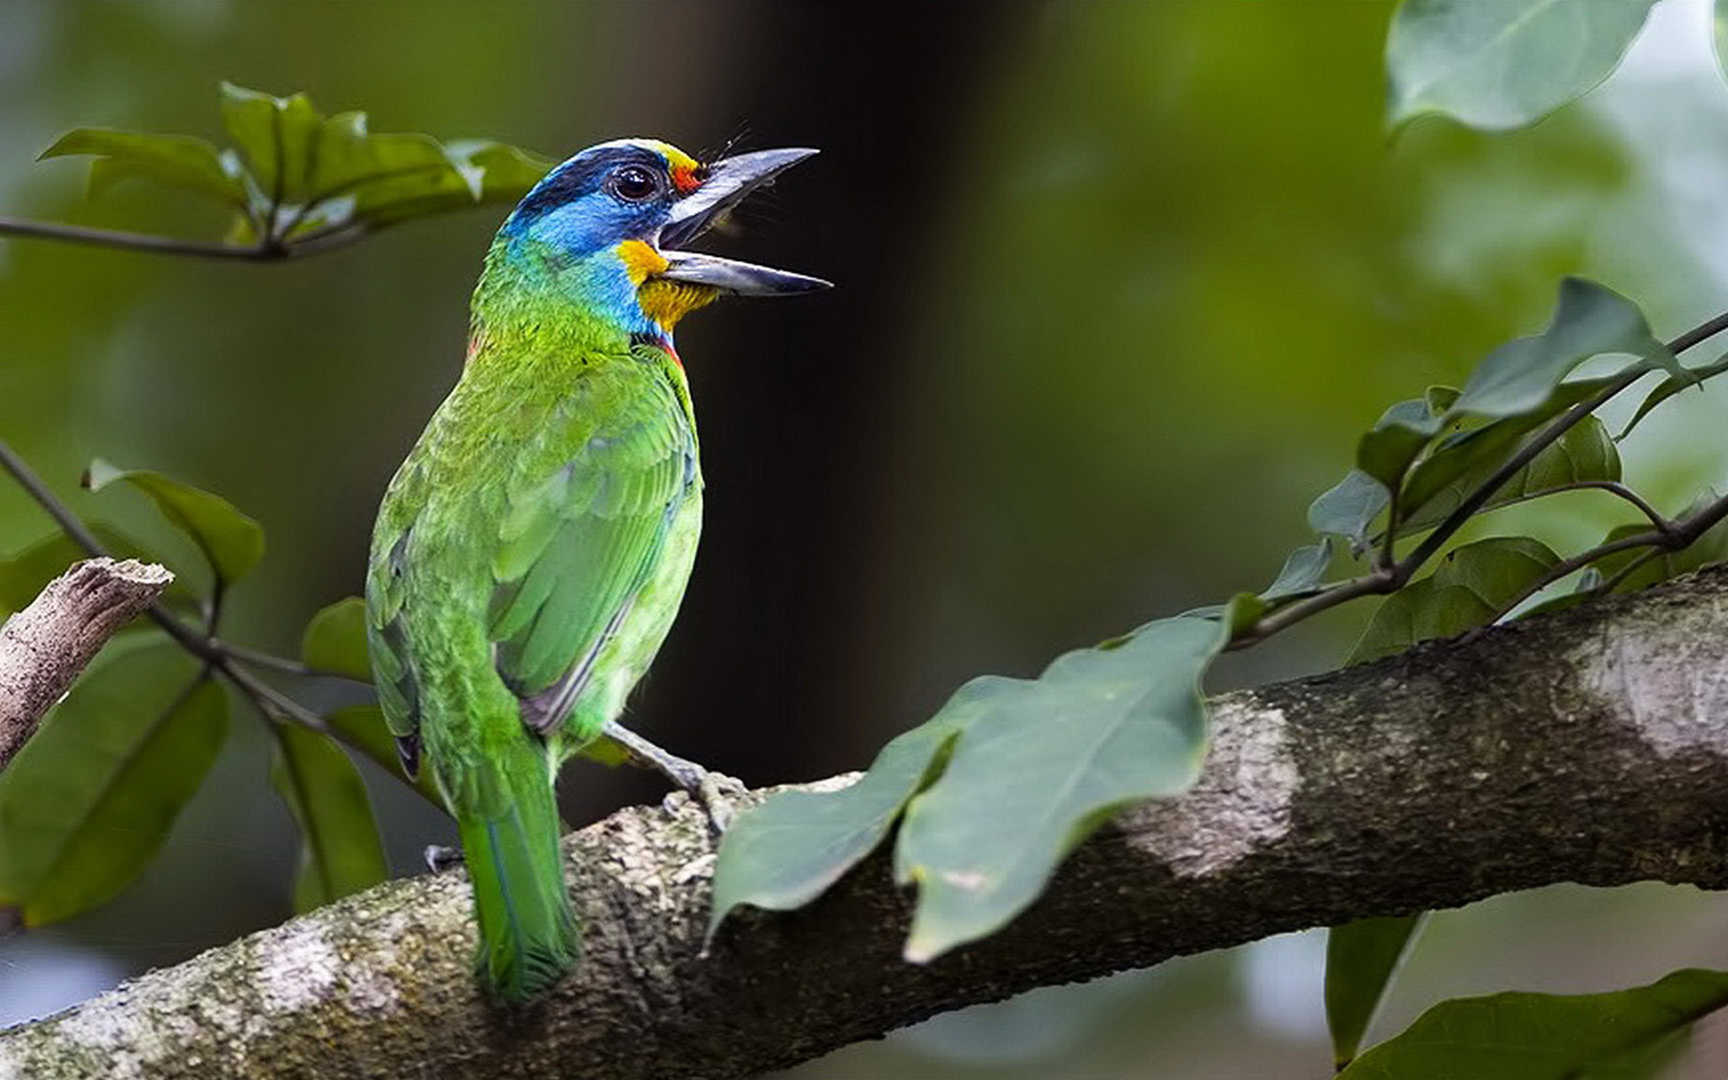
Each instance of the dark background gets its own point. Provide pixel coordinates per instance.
(1118, 284)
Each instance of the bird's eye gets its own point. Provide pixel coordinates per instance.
(633, 183)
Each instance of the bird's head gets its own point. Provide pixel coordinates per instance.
(607, 226)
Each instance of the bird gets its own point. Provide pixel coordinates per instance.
(532, 550)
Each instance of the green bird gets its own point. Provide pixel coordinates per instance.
(532, 551)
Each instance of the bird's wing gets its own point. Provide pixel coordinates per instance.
(578, 542)
(386, 588)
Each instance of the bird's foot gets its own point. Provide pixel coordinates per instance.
(713, 792)
(440, 858)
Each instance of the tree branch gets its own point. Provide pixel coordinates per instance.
(45, 646)
(1586, 746)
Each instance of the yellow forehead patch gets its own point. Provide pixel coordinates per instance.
(676, 159)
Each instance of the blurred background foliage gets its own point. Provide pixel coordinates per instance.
(1120, 284)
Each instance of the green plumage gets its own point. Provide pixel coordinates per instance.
(529, 557)
(531, 552)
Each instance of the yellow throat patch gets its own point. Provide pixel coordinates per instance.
(661, 300)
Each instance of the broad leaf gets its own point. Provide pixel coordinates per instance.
(1672, 385)
(88, 801)
(1393, 443)
(1472, 585)
(1361, 958)
(340, 852)
(31, 568)
(335, 640)
(362, 727)
(278, 138)
(1499, 64)
(232, 542)
(788, 851)
(1519, 1036)
(1349, 507)
(1044, 762)
(1303, 572)
(176, 160)
(1441, 483)
(1589, 320)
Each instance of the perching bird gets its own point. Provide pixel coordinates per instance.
(531, 552)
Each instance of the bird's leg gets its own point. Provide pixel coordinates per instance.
(710, 790)
(440, 858)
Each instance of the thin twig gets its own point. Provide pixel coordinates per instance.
(267, 250)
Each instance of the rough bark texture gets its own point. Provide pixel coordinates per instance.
(45, 646)
(1590, 746)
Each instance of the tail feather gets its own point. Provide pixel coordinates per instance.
(528, 933)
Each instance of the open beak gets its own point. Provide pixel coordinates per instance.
(729, 181)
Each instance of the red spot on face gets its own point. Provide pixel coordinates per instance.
(687, 178)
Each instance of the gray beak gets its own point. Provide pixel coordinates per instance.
(729, 181)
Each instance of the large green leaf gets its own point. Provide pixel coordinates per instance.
(1472, 585)
(788, 851)
(340, 852)
(231, 541)
(1042, 763)
(176, 160)
(278, 136)
(362, 727)
(1349, 507)
(1519, 1036)
(1361, 958)
(1498, 64)
(1019, 771)
(88, 801)
(335, 640)
(1441, 483)
(1589, 320)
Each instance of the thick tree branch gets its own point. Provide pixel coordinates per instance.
(1588, 746)
(45, 646)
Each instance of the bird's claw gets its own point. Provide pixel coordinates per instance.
(440, 858)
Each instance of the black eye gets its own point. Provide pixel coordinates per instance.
(633, 183)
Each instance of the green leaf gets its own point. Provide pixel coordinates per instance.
(175, 160)
(340, 851)
(1395, 440)
(1361, 958)
(1304, 570)
(335, 640)
(232, 542)
(1520, 1036)
(277, 136)
(31, 568)
(1441, 483)
(1589, 320)
(1500, 64)
(788, 851)
(1350, 507)
(1042, 763)
(1672, 385)
(1471, 586)
(362, 727)
(88, 801)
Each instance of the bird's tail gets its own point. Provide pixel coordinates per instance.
(528, 933)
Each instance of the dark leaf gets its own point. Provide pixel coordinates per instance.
(88, 801)
(1361, 958)
(335, 640)
(277, 137)
(1349, 508)
(1670, 386)
(362, 727)
(1303, 572)
(340, 852)
(1471, 586)
(232, 542)
(1393, 443)
(1517, 1036)
(1443, 480)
